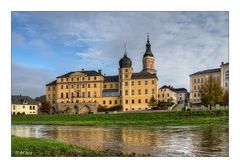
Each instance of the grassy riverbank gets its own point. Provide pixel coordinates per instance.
(47, 147)
(129, 119)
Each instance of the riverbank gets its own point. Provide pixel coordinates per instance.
(219, 117)
(46, 147)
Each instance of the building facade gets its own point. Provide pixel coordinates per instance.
(167, 94)
(174, 95)
(198, 79)
(23, 105)
(128, 89)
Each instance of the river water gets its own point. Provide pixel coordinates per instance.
(153, 141)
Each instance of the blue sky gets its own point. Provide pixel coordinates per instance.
(49, 44)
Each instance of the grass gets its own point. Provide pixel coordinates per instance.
(46, 147)
(129, 119)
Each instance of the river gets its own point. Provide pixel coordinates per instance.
(153, 141)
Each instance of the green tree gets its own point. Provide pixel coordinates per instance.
(152, 102)
(212, 92)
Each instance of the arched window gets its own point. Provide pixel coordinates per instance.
(226, 75)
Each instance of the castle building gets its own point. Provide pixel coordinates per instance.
(128, 89)
(198, 79)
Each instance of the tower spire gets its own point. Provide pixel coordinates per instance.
(125, 48)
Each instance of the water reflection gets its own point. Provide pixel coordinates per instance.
(156, 141)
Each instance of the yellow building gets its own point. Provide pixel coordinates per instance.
(128, 89)
(198, 79)
(24, 105)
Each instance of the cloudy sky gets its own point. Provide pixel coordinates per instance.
(49, 44)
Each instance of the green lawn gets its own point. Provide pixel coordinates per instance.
(46, 147)
(129, 119)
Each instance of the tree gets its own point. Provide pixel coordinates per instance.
(45, 107)
(211, 93)
(226, 98)
(152, 102)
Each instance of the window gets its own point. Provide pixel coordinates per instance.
(66, 86)
(194, 94)
(132, 92)
(139, 91)
(72, 86)
(126, 76)
(146, 100)
(83, 94)
(111, 86)
(49, 88)
(77, 86)
(126, 83)
(104, 102)
(72, 95)
(77, 94)
(132, 83)
(95, 78)
(30, 107)
(168, 95)
(23, 107)
(162, 95)
(126, 70)
(194, 80)
(110, 101)
(226, 84)
(83, 78)
(95, 85)
(14, 107)
(89, 94)
(139, 101)
(62, 95)
(89, 77)
(201, 80)
(126, 92)
(139, 82)
(146, 82)
(49, 96)
(72, 79)
(198, 87)
(95, 94)
(89, 85)
(33, 107)
(198, 80)
(146, 91)
(227, 75)
(195, 88)
(61, 79)
(116, 85)
(61, 86)
(152, 91)
(104, 86)
(132, 101)
(126, 101)
(152, 82)
(77, 78)
(66, 95)
(83, 86)
(198, 94)
(115, 101)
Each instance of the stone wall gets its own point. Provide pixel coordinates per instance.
(74, 108)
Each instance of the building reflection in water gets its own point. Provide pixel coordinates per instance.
(156, 141)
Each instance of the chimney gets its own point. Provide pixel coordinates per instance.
(100, 71)
(222, 63)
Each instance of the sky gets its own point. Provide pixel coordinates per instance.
(49, 44)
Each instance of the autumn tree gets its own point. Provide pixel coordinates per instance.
(152, 102)
(45, 107)
(226, 98)
(211, 92)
